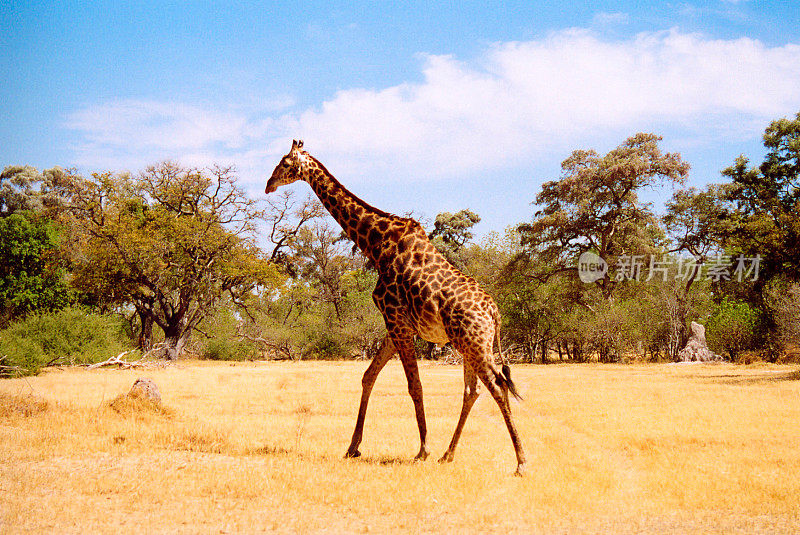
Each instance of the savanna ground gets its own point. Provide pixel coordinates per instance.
(258, 447)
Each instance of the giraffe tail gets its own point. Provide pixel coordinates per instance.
(503, 379)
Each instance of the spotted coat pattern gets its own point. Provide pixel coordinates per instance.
(419, 293)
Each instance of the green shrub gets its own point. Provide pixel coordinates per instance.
(31, 277)
(732, 327)
(221, 340)
(19, 356)
(227, 349)
(327, 346)
(69, 336)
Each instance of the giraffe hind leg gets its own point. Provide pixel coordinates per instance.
(497, 385)
(471, 394)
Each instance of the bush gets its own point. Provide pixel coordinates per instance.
(31, 278)
(227, 349)
(222, 341)
(782, 299)
(732, 328)
(69, 336)
(327, 346)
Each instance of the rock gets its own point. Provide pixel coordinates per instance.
(145, 389)
(696, 349)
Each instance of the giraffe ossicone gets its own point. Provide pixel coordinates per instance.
(420, 294)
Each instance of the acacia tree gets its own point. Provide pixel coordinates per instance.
(762, 217)
(23, 188)
(595, 206)
(324, 259)
(172, 242)
(451, 232)
(285, 219)
(695, 220)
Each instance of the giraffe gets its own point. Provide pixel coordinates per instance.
(419, 293)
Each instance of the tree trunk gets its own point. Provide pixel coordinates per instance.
(577, 354)
(678, 335)
(176, 336)
(176, 345)
(544, 351)
(145, 339)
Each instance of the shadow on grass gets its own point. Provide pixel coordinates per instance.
(269, 449)
(745, 379)
(385, 460)
(281, 451)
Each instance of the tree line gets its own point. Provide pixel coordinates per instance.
(181, 259)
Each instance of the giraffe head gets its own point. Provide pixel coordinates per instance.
(289, 168)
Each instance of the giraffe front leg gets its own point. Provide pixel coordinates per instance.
(385, 353)
(409, 360)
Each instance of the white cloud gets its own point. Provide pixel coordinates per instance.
(518, 102)
(524, 99)
(604, 18)
(130, 134)
(162, 125)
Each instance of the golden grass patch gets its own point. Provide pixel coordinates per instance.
(259, 447)
(133, 406)
(21, 405)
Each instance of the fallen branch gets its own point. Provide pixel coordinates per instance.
(7, 370)
(143, 362)
(52, 361)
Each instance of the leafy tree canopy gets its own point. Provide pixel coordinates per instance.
(595, 205)
(31, 268)
(451, 232)
(171, 241)
(764, 218)
(31, 275)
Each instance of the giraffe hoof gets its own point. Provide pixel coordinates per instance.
(520, 471)
(446, 458)
(352, 454)
(422, 455)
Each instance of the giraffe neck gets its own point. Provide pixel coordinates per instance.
(359, 220)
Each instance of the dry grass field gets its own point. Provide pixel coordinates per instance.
(258, 447)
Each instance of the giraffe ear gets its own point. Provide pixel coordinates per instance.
(299, 143)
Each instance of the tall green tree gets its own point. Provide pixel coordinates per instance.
(32, 274)
(172, 242)
(595, 206)
(323, 260)
(764, 219)
(32, 271)
(451, 232)
(696, 223)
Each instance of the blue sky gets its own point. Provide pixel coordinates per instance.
(423, 107)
